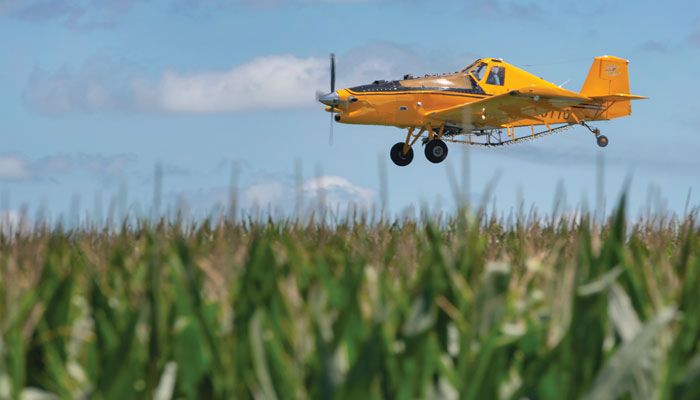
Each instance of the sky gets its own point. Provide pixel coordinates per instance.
(126, 106)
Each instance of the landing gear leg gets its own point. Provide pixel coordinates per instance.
(601, 140)
(402, 152)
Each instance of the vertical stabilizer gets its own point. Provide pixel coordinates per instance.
(608, 75)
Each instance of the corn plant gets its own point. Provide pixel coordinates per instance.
(467, 307)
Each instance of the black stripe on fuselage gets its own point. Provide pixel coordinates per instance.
(397, 87)
(421, 91)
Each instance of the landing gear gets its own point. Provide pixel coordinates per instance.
(398, 156)
(402, 153)
(601, 140)
(436, 151)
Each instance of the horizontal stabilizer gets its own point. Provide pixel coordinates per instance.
(619, 97)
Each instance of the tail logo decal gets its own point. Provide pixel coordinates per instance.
(611, 70)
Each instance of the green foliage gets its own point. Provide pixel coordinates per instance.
(464, 308)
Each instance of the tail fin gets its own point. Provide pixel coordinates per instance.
(608, 82)
(608, 76)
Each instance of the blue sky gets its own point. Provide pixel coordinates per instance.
(95, 94)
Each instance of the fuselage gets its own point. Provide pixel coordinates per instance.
(405, 103)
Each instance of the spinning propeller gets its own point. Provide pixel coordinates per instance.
(331, 99)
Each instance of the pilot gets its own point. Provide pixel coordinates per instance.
(494, 76)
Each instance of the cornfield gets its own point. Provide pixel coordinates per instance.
(462, 307)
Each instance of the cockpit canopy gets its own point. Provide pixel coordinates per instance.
(478, 69)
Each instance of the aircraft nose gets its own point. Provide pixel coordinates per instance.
(330, 99)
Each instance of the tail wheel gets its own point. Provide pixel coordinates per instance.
(436, 151)
(398, 157)
(602, 140)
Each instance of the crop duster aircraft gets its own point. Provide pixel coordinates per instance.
(474, 106)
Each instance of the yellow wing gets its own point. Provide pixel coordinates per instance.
(502, 109)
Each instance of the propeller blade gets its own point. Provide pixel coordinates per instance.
(330, 136)
(332, 72)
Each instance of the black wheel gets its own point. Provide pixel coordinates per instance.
(436, 151)
(398, 157)
(602, 140)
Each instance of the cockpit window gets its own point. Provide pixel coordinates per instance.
(497, 76)
(470, 66)
(478, 71)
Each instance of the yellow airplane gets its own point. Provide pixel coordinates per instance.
(475, 105)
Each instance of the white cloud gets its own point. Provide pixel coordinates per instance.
(102, 166)
(97, 14)
(264, 194)
(334, 192)
(525, 10)
(15, 167)
(188, 5)
(338, 191)
(75, 14)
(274, 82)
(280, 196)
(98, 85)
(270, 83)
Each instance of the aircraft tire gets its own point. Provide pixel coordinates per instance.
(398, 157)
(436, 151)
(602, 140)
